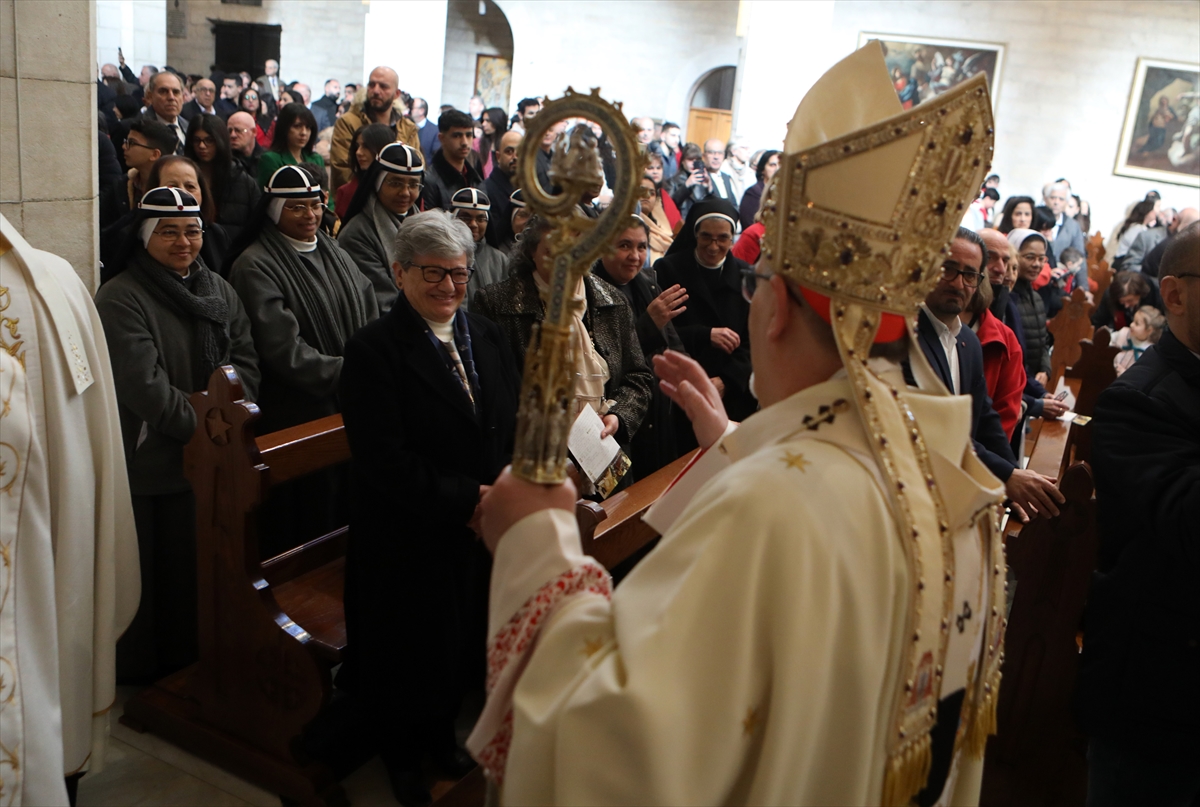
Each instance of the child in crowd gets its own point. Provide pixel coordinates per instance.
(1134, 339)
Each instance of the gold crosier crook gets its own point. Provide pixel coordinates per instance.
(548, 388)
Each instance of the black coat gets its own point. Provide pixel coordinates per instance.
(654, 445)
(751, 200)
(241, 197)
(498, 187)
(443, 180)
(515, 305)
(416, 576)
(1141, 649)
(1035, 339)
(714, 301)
(991, 443)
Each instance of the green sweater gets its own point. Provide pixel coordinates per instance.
(272, 161)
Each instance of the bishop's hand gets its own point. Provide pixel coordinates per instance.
(683, 380)
(511, 499)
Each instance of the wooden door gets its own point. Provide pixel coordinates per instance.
(708, 124)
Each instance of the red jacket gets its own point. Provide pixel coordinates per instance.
(749, 244)
(1003, 369)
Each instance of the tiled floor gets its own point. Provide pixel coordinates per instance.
(143, 770)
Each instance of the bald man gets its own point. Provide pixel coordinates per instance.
(499, 187)
(1183, 219)
(377, 105)
(243, 146)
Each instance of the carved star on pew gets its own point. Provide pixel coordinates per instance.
(217, 427)
(796, 461)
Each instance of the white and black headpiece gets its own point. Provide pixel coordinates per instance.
(470, 199)
(165, 203)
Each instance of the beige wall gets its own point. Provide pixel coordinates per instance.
(469, 34)
(48, 184)
(319, 40)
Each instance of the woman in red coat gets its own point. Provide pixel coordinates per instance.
(1003, 361)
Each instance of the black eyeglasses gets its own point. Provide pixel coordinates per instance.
(459, 275)
(970, 279)
(750, 280)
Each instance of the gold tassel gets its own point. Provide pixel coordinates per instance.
(907, 772)
(984, 723)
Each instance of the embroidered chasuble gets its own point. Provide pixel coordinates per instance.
(69, 580)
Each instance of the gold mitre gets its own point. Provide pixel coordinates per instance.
(869, 195)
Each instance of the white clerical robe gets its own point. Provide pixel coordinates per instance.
(754, 657)
(70, 578)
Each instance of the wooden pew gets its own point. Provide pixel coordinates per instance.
(1037, 756)
(1071, 325)
(1098, 268)
(271, 631)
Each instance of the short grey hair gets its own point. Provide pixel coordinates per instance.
(435, 233)
(1050, 186)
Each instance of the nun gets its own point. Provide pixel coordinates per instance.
(387, 194)
(305, 296)
(169, 321)
(714, 328)
(473, 208)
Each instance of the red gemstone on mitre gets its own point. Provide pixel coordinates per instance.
(180, 207)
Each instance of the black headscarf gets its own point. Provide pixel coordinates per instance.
(685, 241)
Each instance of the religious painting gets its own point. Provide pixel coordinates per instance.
(493, 80)
(1160, 140)
(922, 67)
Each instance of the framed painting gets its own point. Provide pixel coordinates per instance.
(493, 79)
(1160, 140)
(922, 66)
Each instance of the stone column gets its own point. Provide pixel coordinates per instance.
(48, 131)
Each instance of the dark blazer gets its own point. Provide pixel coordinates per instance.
(1141, 649)
(498, 187)
(192, 108)
(751, 200)
(416, 576)
(714, 301)
(428, 137)
(515, 305)
(442, 181)
(181, 122)
(991, 443)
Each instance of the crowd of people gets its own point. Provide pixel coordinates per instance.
(350, 254)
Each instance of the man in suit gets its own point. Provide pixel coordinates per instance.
(269, 81)
(205, 101)
(1137, 695)
(427, 130)
(164, 102)
(329, 101)
(955, 354)
(1066, 232)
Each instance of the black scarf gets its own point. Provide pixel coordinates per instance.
(200, 299)
(331, 323)
(999, 306)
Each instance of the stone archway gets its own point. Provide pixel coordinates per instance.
(478, 56)
(710, 108)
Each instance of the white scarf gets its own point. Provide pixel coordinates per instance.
(591, 370)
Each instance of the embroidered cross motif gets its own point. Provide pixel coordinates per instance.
(796, 461)
(750, 723)
(961, 619)
(826, 414)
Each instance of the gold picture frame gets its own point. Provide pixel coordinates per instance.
(1160, 139)
(493, 80)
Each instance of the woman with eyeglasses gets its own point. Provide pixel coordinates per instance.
(429, 400)
(305, 296)
(170, 321)
(252, 103)
(714, 329)
(180, 172)
(1030, 249)
(390, 190)
(293, 140)
(234, 194)
(611, 371)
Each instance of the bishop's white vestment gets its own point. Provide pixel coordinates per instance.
(755, 656)
(70, 581)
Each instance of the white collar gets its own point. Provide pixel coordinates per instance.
(301, 246)
(444, 331)
(942, 328)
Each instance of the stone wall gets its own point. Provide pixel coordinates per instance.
(48, 145)
(468, 35)
(650, 55)
(319, 40)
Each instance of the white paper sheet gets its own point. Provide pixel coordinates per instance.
(591, 453)
(1069, 400)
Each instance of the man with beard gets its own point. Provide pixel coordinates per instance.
(499, 188)
(449, 171)
(377, 107)
(1039, 402)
